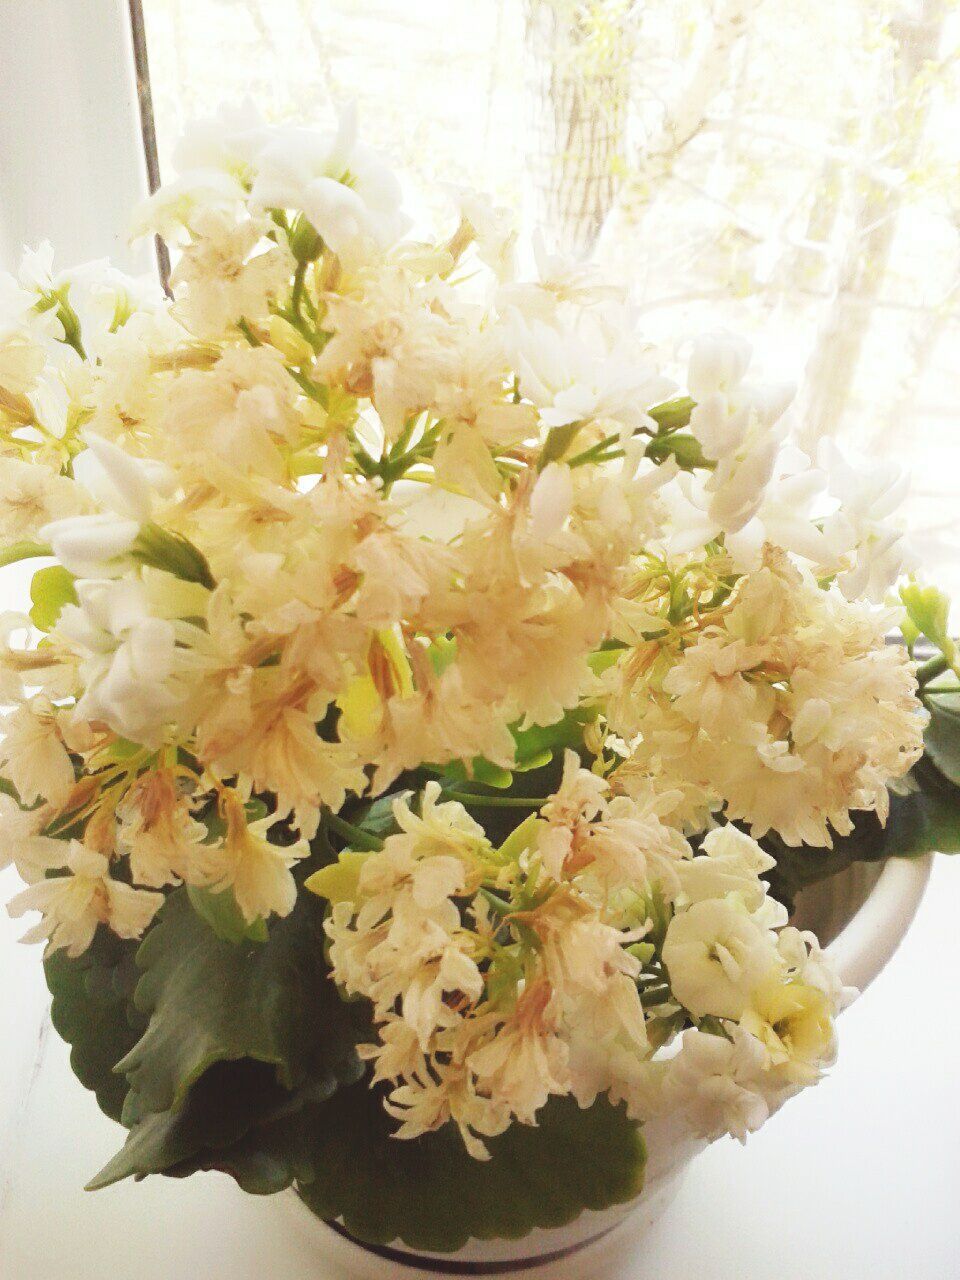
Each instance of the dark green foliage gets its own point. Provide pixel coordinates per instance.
(428, 1192)
(211, 1001)
(93, 1011)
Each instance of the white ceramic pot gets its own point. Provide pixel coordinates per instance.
(860, 915)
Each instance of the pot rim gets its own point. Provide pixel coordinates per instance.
(872, 935)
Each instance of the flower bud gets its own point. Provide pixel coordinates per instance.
(89, 545)
(119, 482)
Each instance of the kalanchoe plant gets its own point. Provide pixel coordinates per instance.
(428, 707)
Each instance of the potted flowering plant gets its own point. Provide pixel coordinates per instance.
(428, 708)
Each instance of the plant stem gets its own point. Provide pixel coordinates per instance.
(23, 551)
(500, 905)
(363, 840)
(496, 802)
(297, 296)
(593, 453)
(931, 669)
(244, 326)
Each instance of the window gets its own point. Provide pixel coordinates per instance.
(787, 170)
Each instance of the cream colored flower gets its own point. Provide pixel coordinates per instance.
(227, 272)
(793, 1023)
(242, 409)
(129, 659)
(343, 187)
(717, 1083)
(21, 843)
(424, 1103)
(279, 749)
(33, 755)
(164, 841)
(526, 1060)
(730, 862)
(717, 955)
(31, 496)
(257, 870)
(74, 905)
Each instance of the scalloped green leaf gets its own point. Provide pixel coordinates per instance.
(225, 1105)
(93, 1011)
(428, 1192)
(212, 1001)
(432, 1195)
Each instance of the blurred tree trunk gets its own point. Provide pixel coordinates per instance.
(579, 59)
(899, 127)
(709, 74)
(925, 338)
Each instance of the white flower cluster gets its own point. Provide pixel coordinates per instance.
(351, 506)
(585, 942)
(785, 706)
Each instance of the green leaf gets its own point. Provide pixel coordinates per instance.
(427, 1191)
(93, 1011)
(481, 771)
(926, 820)
(942, 736)
(212, 1001)
(521, 838)
(225, 1105)
(224, 917)
(50, 590)
(558, 441)
(541, 741)
(378, 818)
(432, 1195)
(340, 881)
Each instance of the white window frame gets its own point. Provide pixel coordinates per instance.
(73, 160)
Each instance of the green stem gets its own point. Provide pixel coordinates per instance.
(244, 326)
(500, 905)
(296, 300)
(358, 839)
(496, 802)
(669, 417)
(593, 453)
(931, 669)
(308, 387)
(23, 551)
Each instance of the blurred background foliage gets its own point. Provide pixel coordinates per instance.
(788, 170)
